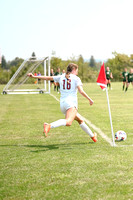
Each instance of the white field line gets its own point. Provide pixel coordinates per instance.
(105, 137)
(98, 130)
(55, 97)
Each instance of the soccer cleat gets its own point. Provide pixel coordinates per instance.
(47, 128)
(94, 138)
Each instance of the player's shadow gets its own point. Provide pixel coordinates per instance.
(67, 146)
(39, 148)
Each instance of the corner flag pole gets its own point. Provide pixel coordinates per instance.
(101, 80)
(110, 117)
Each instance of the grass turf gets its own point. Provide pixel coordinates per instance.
(67, 164)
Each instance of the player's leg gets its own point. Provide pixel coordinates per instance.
(55, 124)
(69, 117)
(124, 85)
(85, 128)
(109, 82)
(127, 86)
(54, 86)
(58, 88)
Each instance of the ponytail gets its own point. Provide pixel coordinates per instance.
(70, 68)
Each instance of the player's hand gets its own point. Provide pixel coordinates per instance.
(91, 102)
(30, 75)
(111, 76)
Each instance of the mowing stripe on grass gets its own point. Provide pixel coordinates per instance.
(130, 145)
(98, 130)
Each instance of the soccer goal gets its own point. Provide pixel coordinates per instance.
(20, 83)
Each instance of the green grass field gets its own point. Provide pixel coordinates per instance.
(66, 165)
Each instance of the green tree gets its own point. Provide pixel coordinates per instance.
(80, 63)
(33, 56)
(4, 63)
(55, 63)
(117, 64)
(92, 62)
(16, 62)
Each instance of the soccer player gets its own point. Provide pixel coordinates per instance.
(124, 75)
(129, 79)
(39, 80)
(52, 74)
(69, 84)
(63, 71)
(35, 74)
(108, 76)
(57, 84)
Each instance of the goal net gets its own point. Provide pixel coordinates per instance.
(20, 83)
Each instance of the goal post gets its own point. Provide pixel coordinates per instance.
(20, 82)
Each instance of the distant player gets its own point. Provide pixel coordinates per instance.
(57, 73)
(69, 84)
(108, 77)
(63, 71)
(129, 79)
(35, 74)
(124, 76)
(52, 74)
(39, 80)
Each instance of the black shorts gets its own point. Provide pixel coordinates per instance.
(130, 81)
(108, 79)
(52, 81)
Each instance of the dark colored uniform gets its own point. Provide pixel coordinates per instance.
(124, 74)
(58, 86)
(130, 77)
(52, 74)
(108, 74)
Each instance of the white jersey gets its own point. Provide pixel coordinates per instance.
(68, 88)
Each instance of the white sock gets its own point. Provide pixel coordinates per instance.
(86, 129)
(60, 122)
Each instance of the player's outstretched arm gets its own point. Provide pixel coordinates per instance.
(83, 93)
(48, 78)
(111, 75)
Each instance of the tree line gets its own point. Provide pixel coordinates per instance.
(88, 69)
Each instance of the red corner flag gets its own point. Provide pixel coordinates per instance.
(101, 80)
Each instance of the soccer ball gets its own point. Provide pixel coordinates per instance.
(120, 136)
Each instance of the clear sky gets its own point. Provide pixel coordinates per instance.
(68, 27)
